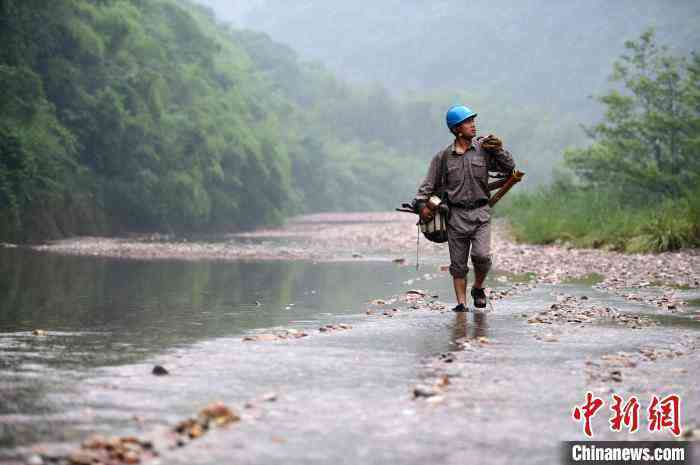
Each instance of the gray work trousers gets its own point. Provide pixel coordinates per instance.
(474, 237)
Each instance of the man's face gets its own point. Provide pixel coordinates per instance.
(467, 128)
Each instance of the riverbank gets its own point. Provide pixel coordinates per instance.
(654, 278)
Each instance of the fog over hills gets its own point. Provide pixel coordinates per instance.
(534, 51)
(530, 68)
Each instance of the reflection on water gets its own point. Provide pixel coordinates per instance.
(105, 312)
(155, 305)
(108, 320)
(474, 329)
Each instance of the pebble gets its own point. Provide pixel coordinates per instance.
(278, 335)
(35, 460)
(691, 433)
(331, 327)
(569, 309)
(423, 391)
(436, 399)
(159, 370)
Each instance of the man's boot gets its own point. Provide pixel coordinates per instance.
(479, 297)
(459, 308)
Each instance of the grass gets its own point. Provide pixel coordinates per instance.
(598, 219)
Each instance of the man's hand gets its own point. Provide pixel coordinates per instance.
(426, 214)
(492, 144)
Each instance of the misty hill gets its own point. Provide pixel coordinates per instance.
(122, 115)
(534, 51)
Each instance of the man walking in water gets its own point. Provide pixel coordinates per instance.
(467, 163)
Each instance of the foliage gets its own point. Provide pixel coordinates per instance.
(637, 184)
(648, 143)
(135, 115)
(593, 218)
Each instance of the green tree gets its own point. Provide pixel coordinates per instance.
(648, 141)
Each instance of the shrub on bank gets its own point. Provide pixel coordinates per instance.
(596, 219)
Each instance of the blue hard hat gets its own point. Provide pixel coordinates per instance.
(456, 114)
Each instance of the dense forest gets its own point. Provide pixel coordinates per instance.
(127, 115)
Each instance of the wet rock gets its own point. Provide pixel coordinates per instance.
(261, 337)
(131, 458)
(691, 433)
(184, 426)
(619, 359)
(442, 382)
(219, 413)
(437, 306)
(195, 431)
(416, 292)
(159, 370)
(547, 338)
(82, 458)
(336, 327)
(291, 333)
(35, 460)
(95, 442)
(422, 390)
(278, 335)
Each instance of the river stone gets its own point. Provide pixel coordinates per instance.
(159, 370)
(35, 460)
(423, 391)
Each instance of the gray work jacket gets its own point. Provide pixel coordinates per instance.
(467, 181)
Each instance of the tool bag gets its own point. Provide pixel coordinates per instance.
(435, 230)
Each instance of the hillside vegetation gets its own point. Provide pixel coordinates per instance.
(636, 188)
(127, 115)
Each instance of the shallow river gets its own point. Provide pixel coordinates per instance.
(342, 397)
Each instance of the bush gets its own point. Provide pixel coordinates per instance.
(587, 218)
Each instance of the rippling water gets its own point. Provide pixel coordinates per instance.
(345, 395)
(102, 313)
